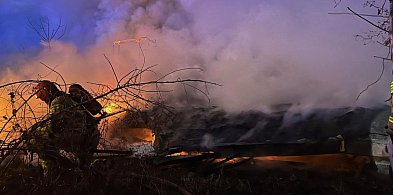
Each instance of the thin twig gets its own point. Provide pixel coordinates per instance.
(65, 84)
(19, 82)
(367, 20)
(367, 15)
(379, 78)
(113, 70)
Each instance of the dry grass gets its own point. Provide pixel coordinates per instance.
(118, 175)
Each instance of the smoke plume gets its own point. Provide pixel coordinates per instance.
(262, 52)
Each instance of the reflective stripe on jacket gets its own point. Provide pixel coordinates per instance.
(391, 87)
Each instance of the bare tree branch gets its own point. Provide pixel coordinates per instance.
(368, 21)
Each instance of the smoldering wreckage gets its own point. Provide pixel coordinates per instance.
(146, 146)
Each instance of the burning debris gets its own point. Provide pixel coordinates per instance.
(132, 122)
(67, 131)
(130, 135)
(204, 140)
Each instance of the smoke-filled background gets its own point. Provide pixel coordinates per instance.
(263, 52)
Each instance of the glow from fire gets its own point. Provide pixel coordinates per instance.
(15, 116)
(190, 153)
(319, 163)
(145, 134)
(322, 162)
(110, 108)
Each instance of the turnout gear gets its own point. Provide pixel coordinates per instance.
(68, 128)
(390, 132)
(82, 96)
(390, 120)
(391, 87)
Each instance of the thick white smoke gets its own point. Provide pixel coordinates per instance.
(262, 52)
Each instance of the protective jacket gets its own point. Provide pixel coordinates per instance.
(390, 131)
(390, 121)
(69, 128)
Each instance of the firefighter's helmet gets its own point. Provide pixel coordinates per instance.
(45, 90)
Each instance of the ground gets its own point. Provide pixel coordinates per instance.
(119, 175)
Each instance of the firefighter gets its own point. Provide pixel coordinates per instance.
(390, 132)
(390, 122)
(66, 134)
